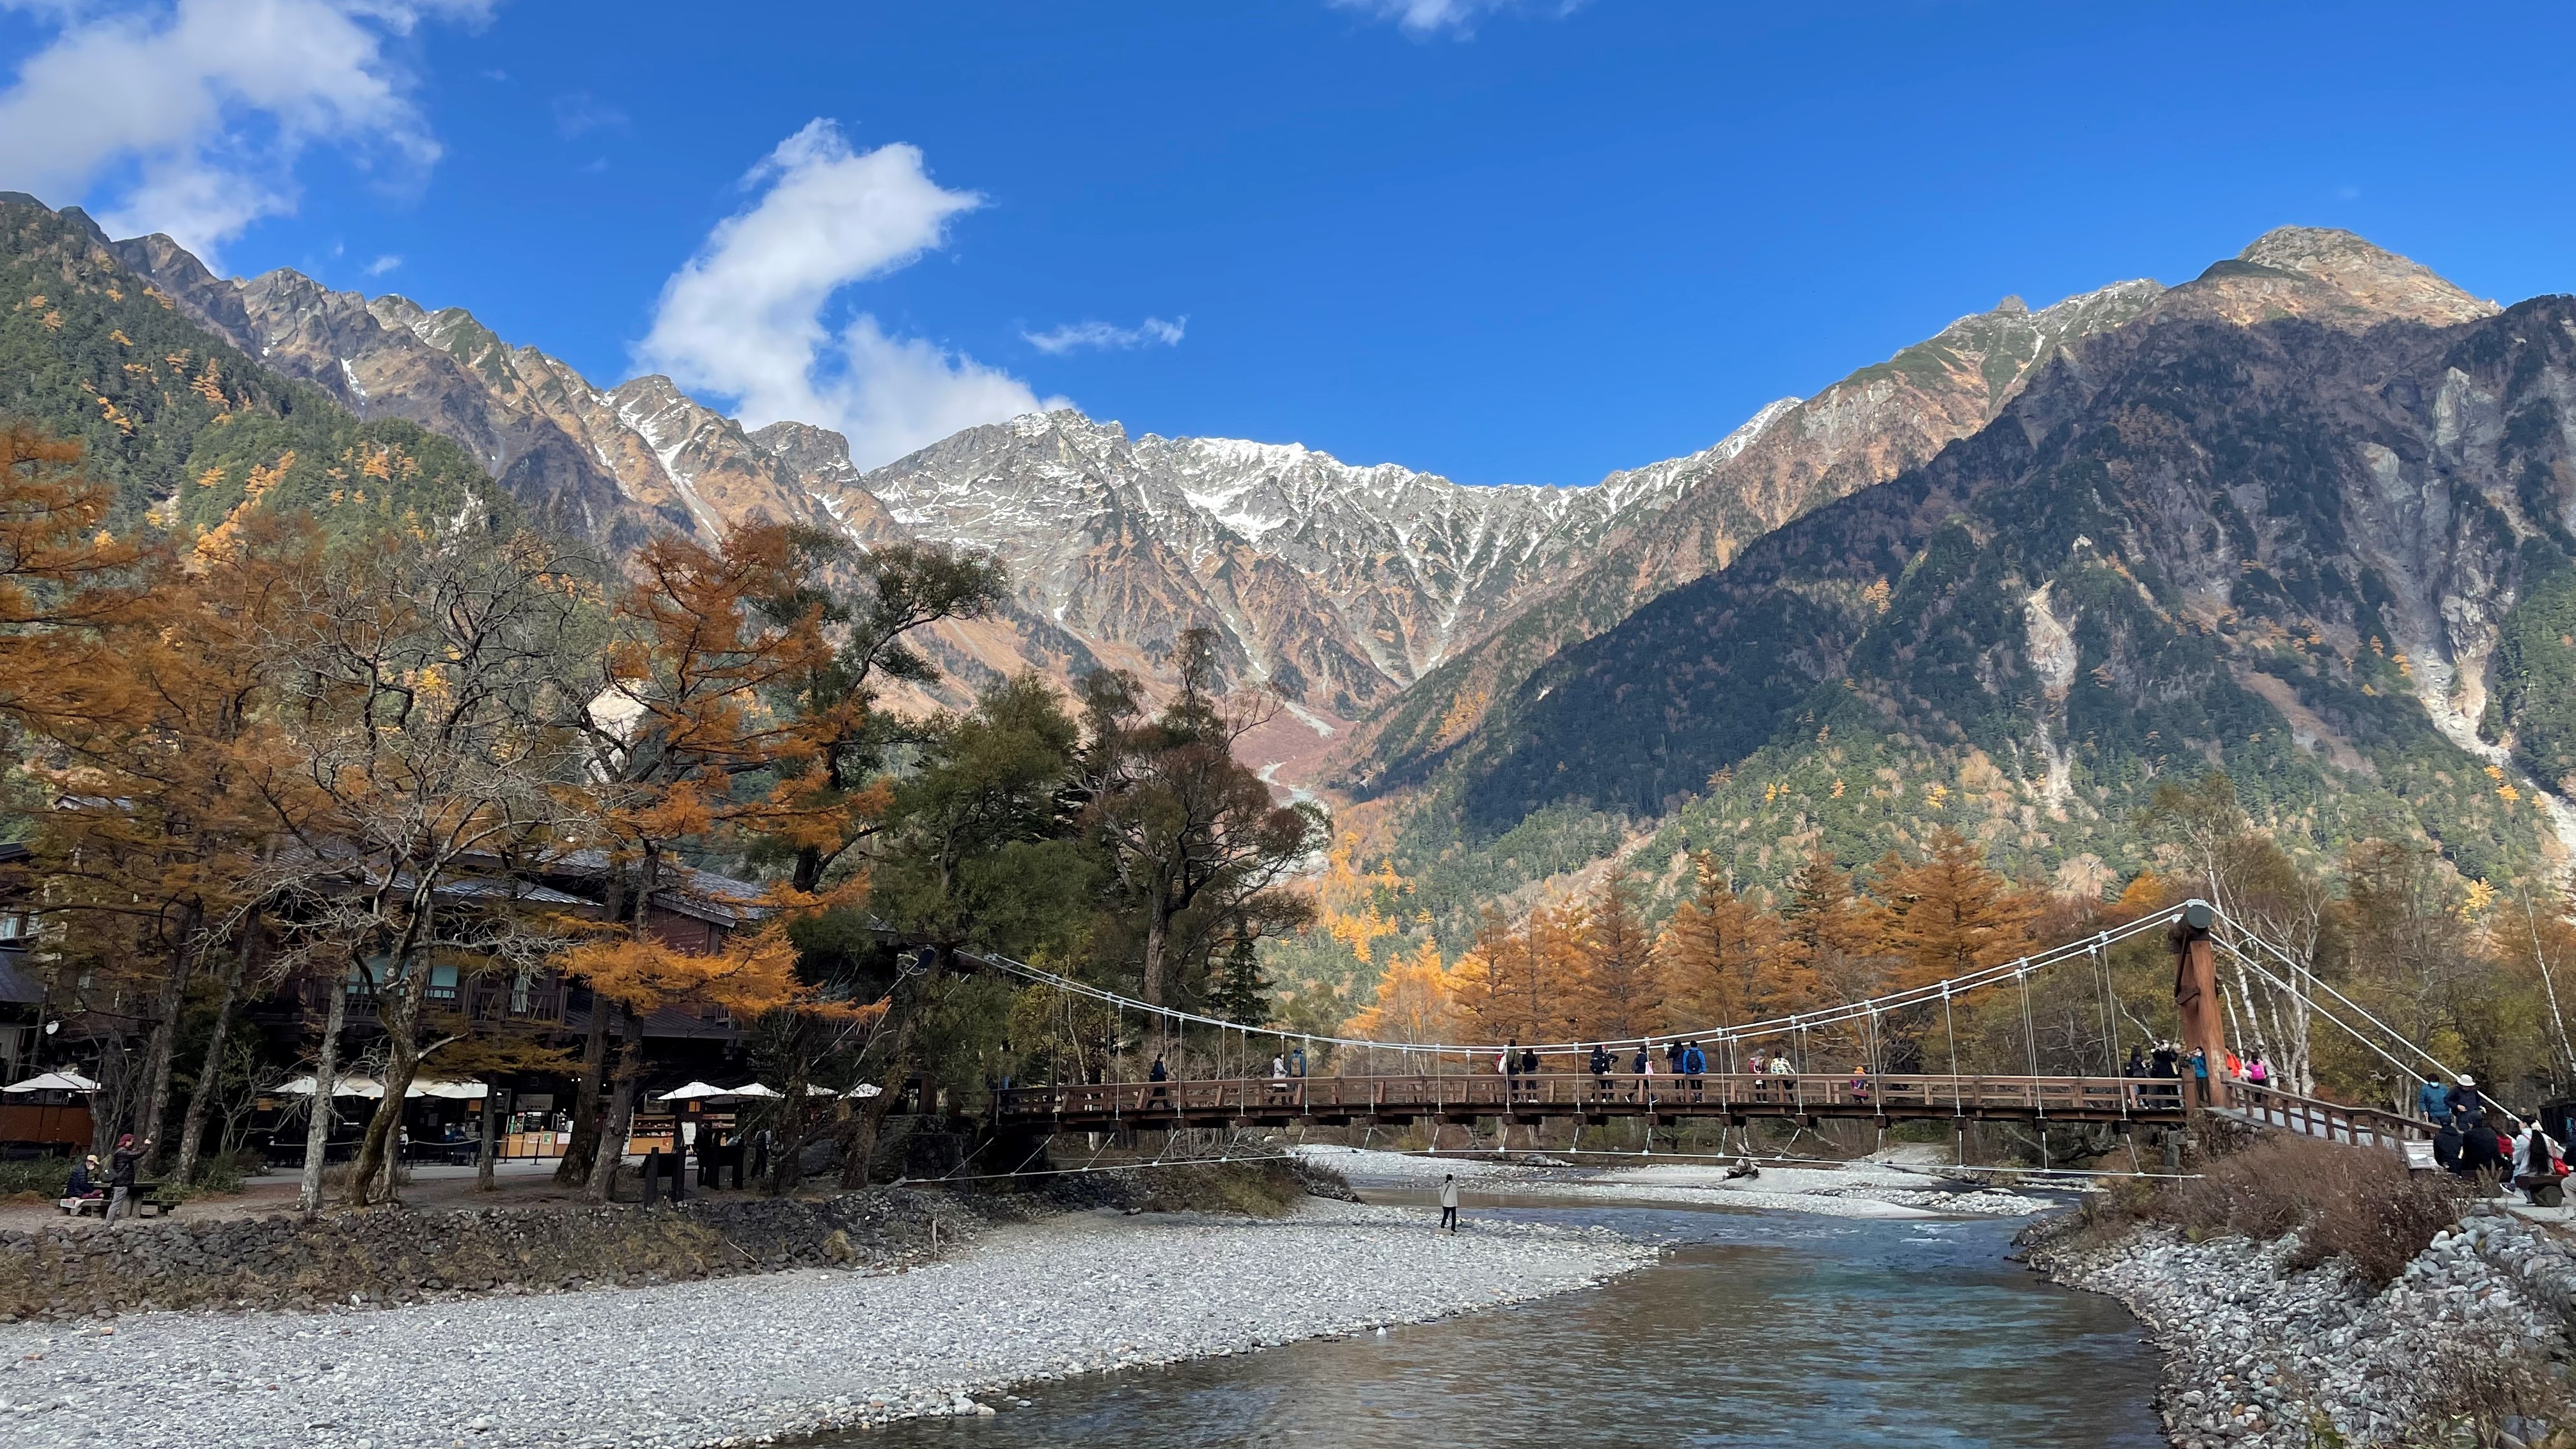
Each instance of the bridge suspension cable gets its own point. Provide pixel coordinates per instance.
(1927, 994)
(2243, 945)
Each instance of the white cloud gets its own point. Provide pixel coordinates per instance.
(744, 319)
(196, 111)
(383, 264)
(1458, 17)
(1075, 336)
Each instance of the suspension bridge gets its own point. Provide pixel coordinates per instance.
(1402, 1083)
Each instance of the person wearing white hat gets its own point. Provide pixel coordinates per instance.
(2464, 1096)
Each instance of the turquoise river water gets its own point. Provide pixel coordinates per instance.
(1757, 1329)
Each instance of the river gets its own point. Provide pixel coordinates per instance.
(1758, 1328)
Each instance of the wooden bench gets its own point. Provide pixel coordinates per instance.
(140, 1199)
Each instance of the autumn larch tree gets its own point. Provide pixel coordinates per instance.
(1619, 988)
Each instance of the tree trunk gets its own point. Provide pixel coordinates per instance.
(155, 1105)
(862, 1144)
(192, 1127)
(108, 1105)
(326, 1075)
(621, 1107)
(379, 1152)
(1158, 928)
(491, 1148)
(584, 1142)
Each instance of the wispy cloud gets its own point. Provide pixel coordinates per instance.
(200, 109)
(581, 113)
(1076, 336)
(383, 264)
(744, 318)
(1424, 18)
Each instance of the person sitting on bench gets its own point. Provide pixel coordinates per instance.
(82, 1193)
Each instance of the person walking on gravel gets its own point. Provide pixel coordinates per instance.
(1449, 1202)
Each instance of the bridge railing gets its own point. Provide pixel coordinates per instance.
(1562, 1094)
(2327, 1121)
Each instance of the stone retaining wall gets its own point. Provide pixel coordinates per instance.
(393, 1254)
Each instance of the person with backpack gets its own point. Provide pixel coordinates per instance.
(1602, 1063)
(1694, 1065)
(1158, 1076)
(2482, 1151)
(1529, 1072)
(1644, 1066)
(2447, 1145)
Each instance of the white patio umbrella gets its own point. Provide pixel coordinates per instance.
(374, 1090)
(762, 1091)
(864, 1089)
(53, 1082)
(696, 1092)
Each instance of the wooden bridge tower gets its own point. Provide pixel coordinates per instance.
(2204, 1015)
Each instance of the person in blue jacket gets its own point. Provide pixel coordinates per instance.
(2433, 1101)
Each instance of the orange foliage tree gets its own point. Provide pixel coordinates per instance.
(1616, 983)
(694, 734)
(1728, 960)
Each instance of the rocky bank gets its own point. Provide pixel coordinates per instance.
(2259, 1355)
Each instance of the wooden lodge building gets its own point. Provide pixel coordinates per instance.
(52, 1020)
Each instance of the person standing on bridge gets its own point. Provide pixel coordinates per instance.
(2433, 1101)
(1602, 1062)
(1694, 1065)
(1449, 1202)
(1529, 1072)
(1644, 1067)
(2465, 1097)
(1297, 1063)
(1158, 1076)
(1509, 1064)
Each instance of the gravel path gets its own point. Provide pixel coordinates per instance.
(729, 1361)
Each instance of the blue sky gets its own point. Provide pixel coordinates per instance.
(1508, 242)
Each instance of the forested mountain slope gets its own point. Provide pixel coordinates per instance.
(2309, 520)
(185, 426)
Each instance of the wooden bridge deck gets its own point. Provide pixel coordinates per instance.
(1396, 1101)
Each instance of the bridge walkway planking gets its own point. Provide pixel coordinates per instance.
(1667, 1100)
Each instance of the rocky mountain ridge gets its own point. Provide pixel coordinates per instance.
(2315, 528)
(1338, 585)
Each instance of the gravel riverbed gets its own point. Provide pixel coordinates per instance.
(1858, 1189)
(748, 1360)
(2259, 1355)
